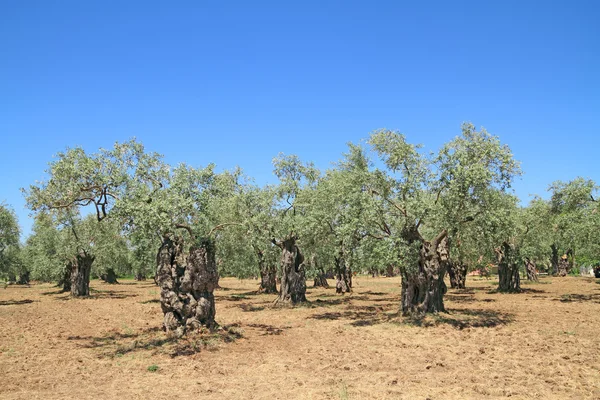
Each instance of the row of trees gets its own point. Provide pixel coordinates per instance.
(384, 207)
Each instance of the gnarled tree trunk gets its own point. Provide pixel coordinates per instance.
(293, 277)
(508, 268)
(65, 280)
(423, 287)
(457, 272)
(81, 266)
(320, 279)
(268, 275)
(109, 276)
(563, 267)
(343, 275)
(531, 270)
(187, 282)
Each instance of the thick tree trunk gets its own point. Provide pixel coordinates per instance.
(23, 278)
(81, 267)
(187, 282)
(531, 270)
(554, 259)
(65, 281)
(140, 276)
(423, 287)
(508, 268)
(268, 274)
(457, 272)
(389, 271)
(293, 277)
(320, 279)
(563, 267)
(343, 276)
(109, 276)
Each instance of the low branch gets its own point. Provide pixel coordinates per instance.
(186, 227)
(221, 226)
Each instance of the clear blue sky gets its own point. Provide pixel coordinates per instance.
(235, 83)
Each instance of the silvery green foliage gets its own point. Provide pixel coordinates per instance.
(10, 249)
(42, 251)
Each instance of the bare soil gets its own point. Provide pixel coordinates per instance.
(543, 343)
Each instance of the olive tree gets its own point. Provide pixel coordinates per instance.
(10, 250)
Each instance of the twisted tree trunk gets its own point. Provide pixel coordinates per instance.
(343, 275)
(187, 282)
(508, 268)
(423, 287)
(563, 267)
(81, 266)
(65, 280)
(293, 277)
(140, 276)
(268, 275)
(320, 279)
(457, 272)
(531, 270)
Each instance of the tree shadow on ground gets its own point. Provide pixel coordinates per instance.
(59, 291)
(371, 315)
(522, 291)
(248, 307)
(269, 329)
(15, 302)
(153, 301)
(569, 298)
(465, 298)
(117, 344)
(108, 294)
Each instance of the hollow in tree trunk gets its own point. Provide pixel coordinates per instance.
(187, 281)
(293, 277)
(268, 274)
(81, 266)
(109, 276)
(423, 287)
(457, 272)
(508, 268)
(531, 270)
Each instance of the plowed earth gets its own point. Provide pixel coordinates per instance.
(540, 344)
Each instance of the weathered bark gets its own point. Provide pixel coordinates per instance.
(423, 287)
(508, 268)
(320, 279)
(457, 272)
(293, 277)
(187, 281)
(23, 278)
(81, 266)
(563, 267)
(531, 270)
(268, 274)
(343, 275)
(109, 276)
(65, 281)
(554, 259)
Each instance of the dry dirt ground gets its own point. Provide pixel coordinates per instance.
(543, 343)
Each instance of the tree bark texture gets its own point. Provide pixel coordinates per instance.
(293, 277)
(320, 279)
(23, 278)
(508, 268)
(343, 275)
(531, 270)
(81, 266)
(423, 288)
(65, 280)
(187, 281)
(457, 272)
(268, 275)
(140, 276)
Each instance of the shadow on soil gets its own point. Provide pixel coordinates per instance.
(15, 302)
(117, 344)
(269, 329)
(569, 298)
